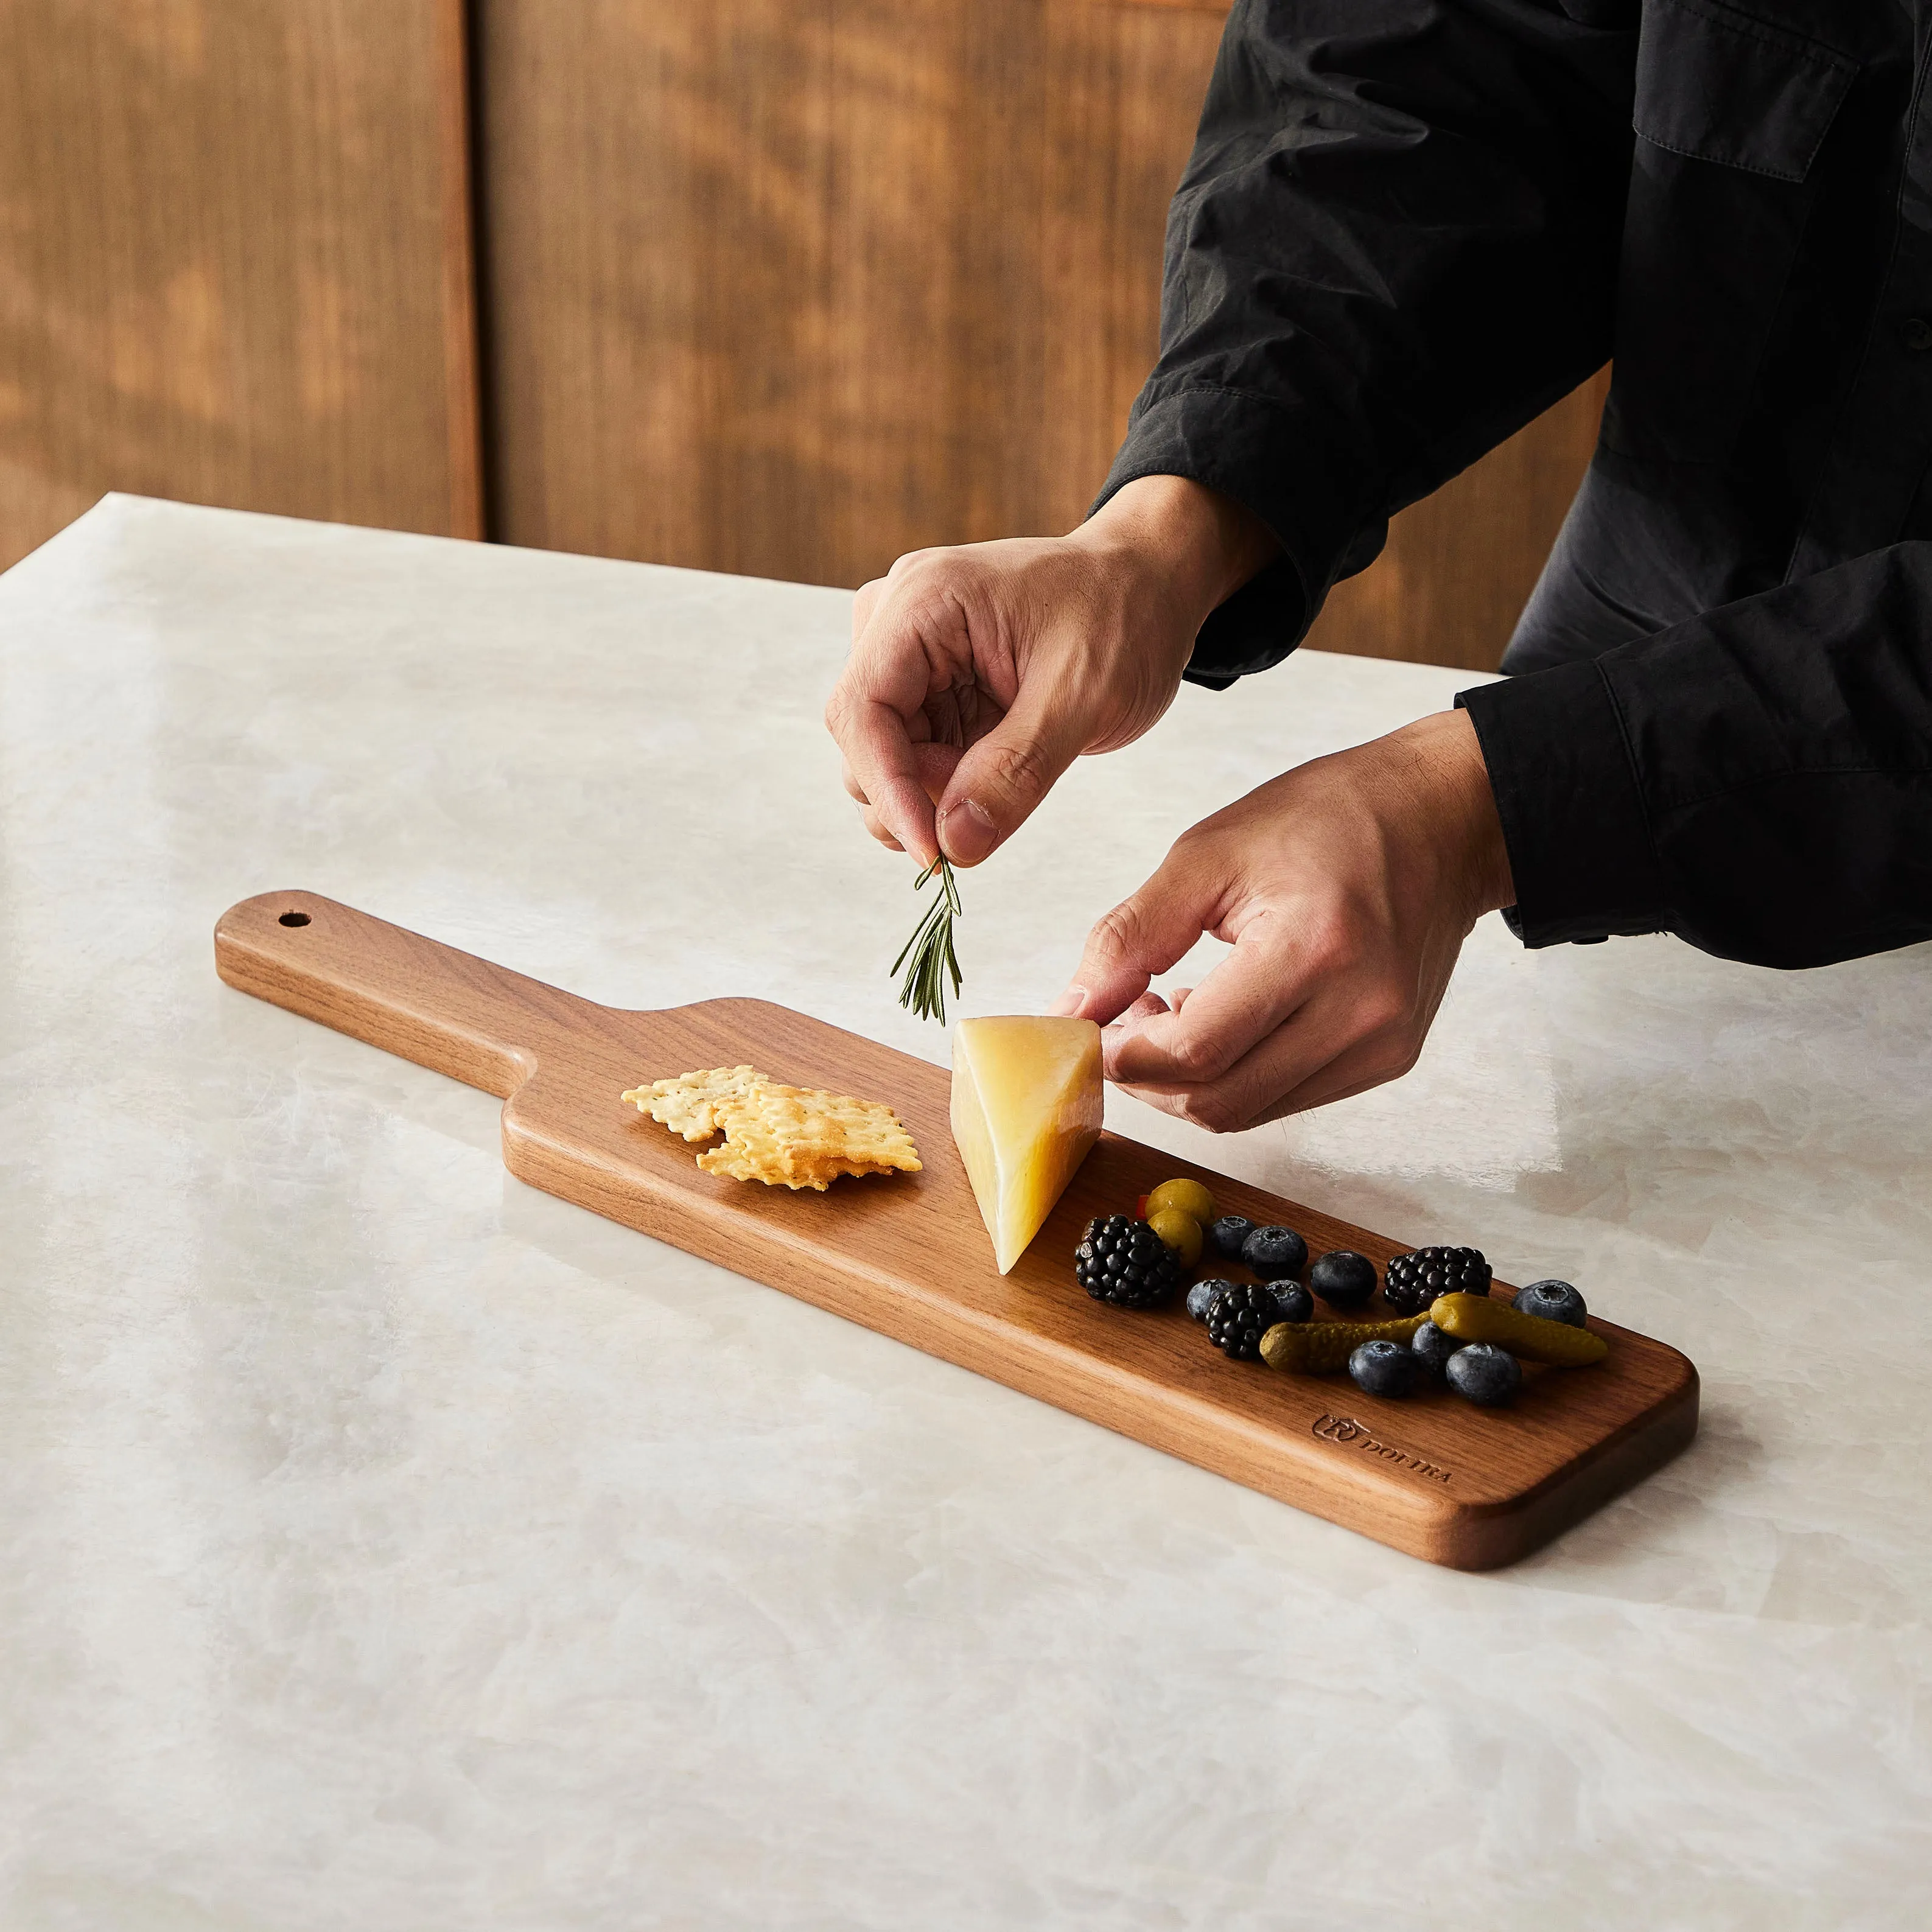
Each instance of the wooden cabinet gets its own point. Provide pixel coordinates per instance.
(779, 286)
(791, 287)
(235, 261)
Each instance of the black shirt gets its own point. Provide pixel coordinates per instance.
(1409, 225)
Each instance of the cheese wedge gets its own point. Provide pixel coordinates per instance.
(1027, 1098)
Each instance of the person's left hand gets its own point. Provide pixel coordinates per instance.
(1346, 888)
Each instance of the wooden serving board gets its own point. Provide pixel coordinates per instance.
(907, 1255)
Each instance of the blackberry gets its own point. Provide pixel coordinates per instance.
(1275, 1254)
(1238, 1319)
(1343, 1278)
(1124, 1261)
(1411, 1282)
(1229, 1233)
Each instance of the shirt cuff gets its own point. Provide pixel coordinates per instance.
(1251, 448)
(1566, 789)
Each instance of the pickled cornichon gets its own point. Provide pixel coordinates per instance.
(1323, 1348)
(1475, 1318)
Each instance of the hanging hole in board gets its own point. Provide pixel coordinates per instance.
(294, 919)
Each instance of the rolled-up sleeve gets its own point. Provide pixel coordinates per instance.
(1395, 243)
(1757, 780)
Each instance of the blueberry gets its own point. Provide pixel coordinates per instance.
(1229, 1233)
(1383, 1368)
(1201, 1297)
(1433, 1347)
(1488, 1375)
(1275, 1254)
(1343, 1278)
(1294, 1300)
(1554, 1300)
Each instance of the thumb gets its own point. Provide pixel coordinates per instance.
(1143, 935)
(1001, 779)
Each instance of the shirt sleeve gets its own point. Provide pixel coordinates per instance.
(1395, 243)
(1757, 780)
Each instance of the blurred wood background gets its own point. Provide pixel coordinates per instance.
(893, 282)
(779, 286)
(235, 261)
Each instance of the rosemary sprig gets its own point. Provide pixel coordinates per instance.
(928, 957)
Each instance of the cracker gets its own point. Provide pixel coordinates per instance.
(805, 1137)
(795, 1137)
(753, 1150)
(687, 1104)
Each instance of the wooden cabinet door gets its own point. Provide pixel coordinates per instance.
(789, 286)
(235, 260)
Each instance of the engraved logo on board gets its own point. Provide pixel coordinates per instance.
(1345, 1429)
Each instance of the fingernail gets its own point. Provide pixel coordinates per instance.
(1068, 1003)
(967, 832)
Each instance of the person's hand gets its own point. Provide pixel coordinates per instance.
(978, 674)
(1346, 888)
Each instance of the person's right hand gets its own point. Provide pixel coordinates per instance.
(979, 673)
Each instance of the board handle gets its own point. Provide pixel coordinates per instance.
(447, 1010)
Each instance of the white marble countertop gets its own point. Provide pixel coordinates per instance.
(388, 1546)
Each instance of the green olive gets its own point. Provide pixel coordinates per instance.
(1189, 1196)
(1181, 1232)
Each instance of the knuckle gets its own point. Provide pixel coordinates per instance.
(1018, 769)
(1392, 1061)
(1382, 1009)
(1116, 932)
(928, 572)
(1334, 943)
(1402, 1059)
(1196, 1056)
(1218, 1113)
(1191, 847)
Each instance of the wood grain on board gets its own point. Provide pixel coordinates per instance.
(788, 287)
(908, 1255)
(235, 261)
